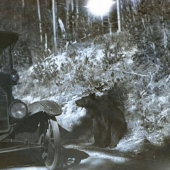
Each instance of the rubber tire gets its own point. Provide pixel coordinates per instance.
(55, 163)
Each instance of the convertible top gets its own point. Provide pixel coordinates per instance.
(7, 39)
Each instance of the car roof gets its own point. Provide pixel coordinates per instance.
(7, 39)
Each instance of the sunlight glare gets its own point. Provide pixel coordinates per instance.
(100, 7)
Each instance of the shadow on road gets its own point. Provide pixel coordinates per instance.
(69, 158)
(20, 159)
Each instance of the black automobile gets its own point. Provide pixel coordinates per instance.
(17, 118)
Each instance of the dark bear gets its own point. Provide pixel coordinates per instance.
(109, 124)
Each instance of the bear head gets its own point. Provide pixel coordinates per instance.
(86, 101)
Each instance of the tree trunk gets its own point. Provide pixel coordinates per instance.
(67, 16)
(55, 25)
(102, 24)
(77, 18)
(23, 3)
(77, 13)
(39, 17)
(118, 15)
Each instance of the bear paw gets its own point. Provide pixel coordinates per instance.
(98, 145)
(112, 145)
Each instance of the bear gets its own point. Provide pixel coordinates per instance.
(109, 124)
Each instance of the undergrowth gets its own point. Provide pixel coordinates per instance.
(112, 66)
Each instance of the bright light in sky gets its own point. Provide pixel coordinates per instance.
(100, 7)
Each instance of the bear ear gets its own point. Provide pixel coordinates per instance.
(92, 96)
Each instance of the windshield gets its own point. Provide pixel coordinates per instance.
(7, 42)
(4, 61)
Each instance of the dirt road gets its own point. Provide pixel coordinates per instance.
(86, 157)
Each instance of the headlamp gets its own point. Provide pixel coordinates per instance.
(18, 110)
(14, 77)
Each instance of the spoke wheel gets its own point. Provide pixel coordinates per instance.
(52, 139)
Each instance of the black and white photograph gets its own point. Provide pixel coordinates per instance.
(84, 84)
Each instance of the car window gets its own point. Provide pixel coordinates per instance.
(4, 61)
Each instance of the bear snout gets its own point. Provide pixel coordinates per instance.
(78, 103)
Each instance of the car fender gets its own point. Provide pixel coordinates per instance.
(48, 106)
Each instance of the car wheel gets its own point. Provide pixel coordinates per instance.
(52, 151)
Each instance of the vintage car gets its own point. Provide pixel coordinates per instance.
(17, 118)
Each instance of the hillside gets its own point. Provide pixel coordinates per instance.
(109, 64)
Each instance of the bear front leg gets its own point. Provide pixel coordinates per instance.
(115, 136)
(97, 132)
(106, 134)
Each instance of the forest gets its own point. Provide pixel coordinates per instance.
(65, 52)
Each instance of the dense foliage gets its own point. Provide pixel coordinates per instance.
(110, 66)
(130, 68)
